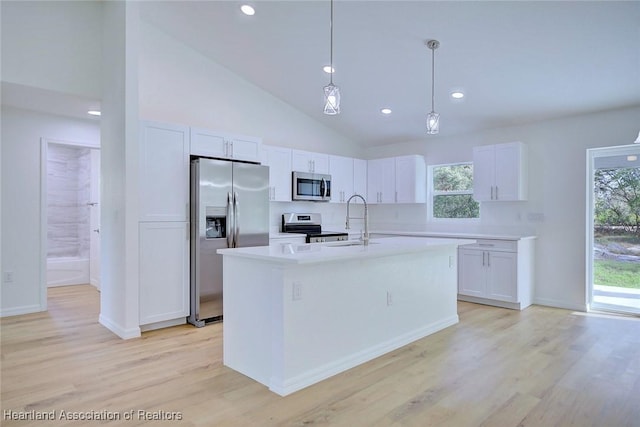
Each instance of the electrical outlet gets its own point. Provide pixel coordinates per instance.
(389, 298)
(8, 277)
(296, 291)
(535, 217)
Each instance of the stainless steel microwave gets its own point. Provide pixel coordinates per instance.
(311, 186)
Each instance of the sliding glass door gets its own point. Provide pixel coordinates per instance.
(613, 229)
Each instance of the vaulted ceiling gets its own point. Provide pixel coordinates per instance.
(516, 61)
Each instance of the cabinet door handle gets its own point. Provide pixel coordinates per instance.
(488, 259)
(483, 254)
(492, 192)
(497, 193)
(231, 155)
(396, 200)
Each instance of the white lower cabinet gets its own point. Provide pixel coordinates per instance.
(164, 271)
(497, 272)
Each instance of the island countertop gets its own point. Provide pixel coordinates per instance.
(309, 253)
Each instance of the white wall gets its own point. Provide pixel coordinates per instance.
(21, 203)
(557, 189)
(119, 165)
(179, 85)
(53, 45)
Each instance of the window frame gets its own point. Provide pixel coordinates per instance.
(432, 193)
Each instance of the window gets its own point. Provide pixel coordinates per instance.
(451, 188)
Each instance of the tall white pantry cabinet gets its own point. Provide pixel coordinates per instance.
(163, 223)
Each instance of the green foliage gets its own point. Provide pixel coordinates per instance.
(617, 198)
(616, 273)
(458, 180)
(453, 178)
(455, 206)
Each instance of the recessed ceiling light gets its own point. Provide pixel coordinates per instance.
(247, 10)
(385, 110)
(94, 112)
(328, 69)
(456, 94)
(632, 158)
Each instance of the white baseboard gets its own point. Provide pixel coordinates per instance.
(559, 304)
(125, 334)
(164, 324)
(25, 309)
(285, 387)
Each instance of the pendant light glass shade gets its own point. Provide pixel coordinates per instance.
(331, 100)
(433, 118)
(637, 141)
(433, 123)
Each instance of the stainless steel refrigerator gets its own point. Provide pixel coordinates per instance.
(229, 208)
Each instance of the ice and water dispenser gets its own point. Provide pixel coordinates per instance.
(216, 222)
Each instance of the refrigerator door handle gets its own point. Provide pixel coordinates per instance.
(236, 228)
(230, 222)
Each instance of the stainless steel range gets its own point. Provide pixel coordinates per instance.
(311, 225)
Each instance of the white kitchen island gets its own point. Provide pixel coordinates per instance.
(295, 314)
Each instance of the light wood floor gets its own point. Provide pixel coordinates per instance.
(497, 367)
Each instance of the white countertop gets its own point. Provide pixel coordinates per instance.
(308, 253)
(454, 235)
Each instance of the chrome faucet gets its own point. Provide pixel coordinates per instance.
(365, 238)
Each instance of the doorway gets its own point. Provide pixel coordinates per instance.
(71, 213)
(613, 229)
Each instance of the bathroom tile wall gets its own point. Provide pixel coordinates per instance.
(68, 192)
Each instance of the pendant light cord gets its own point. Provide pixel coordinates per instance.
(433, 77)
(331, 44)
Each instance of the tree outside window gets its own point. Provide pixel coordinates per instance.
(452, 192)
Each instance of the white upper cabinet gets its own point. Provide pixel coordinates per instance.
(209, 143)
(279, 161)
(360, 177)
(381, 181)
(500, 172)
(341, 170)
(411, 179)
(401, 179)
(164, 172)
(307, 161)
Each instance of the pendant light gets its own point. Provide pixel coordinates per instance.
(331, 91)
(433, 118)
(637, 141)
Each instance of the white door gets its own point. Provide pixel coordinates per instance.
(472, 272)
(94, 221)
(484, 165)
(503, 277)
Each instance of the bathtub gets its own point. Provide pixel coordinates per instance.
(67, 271)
